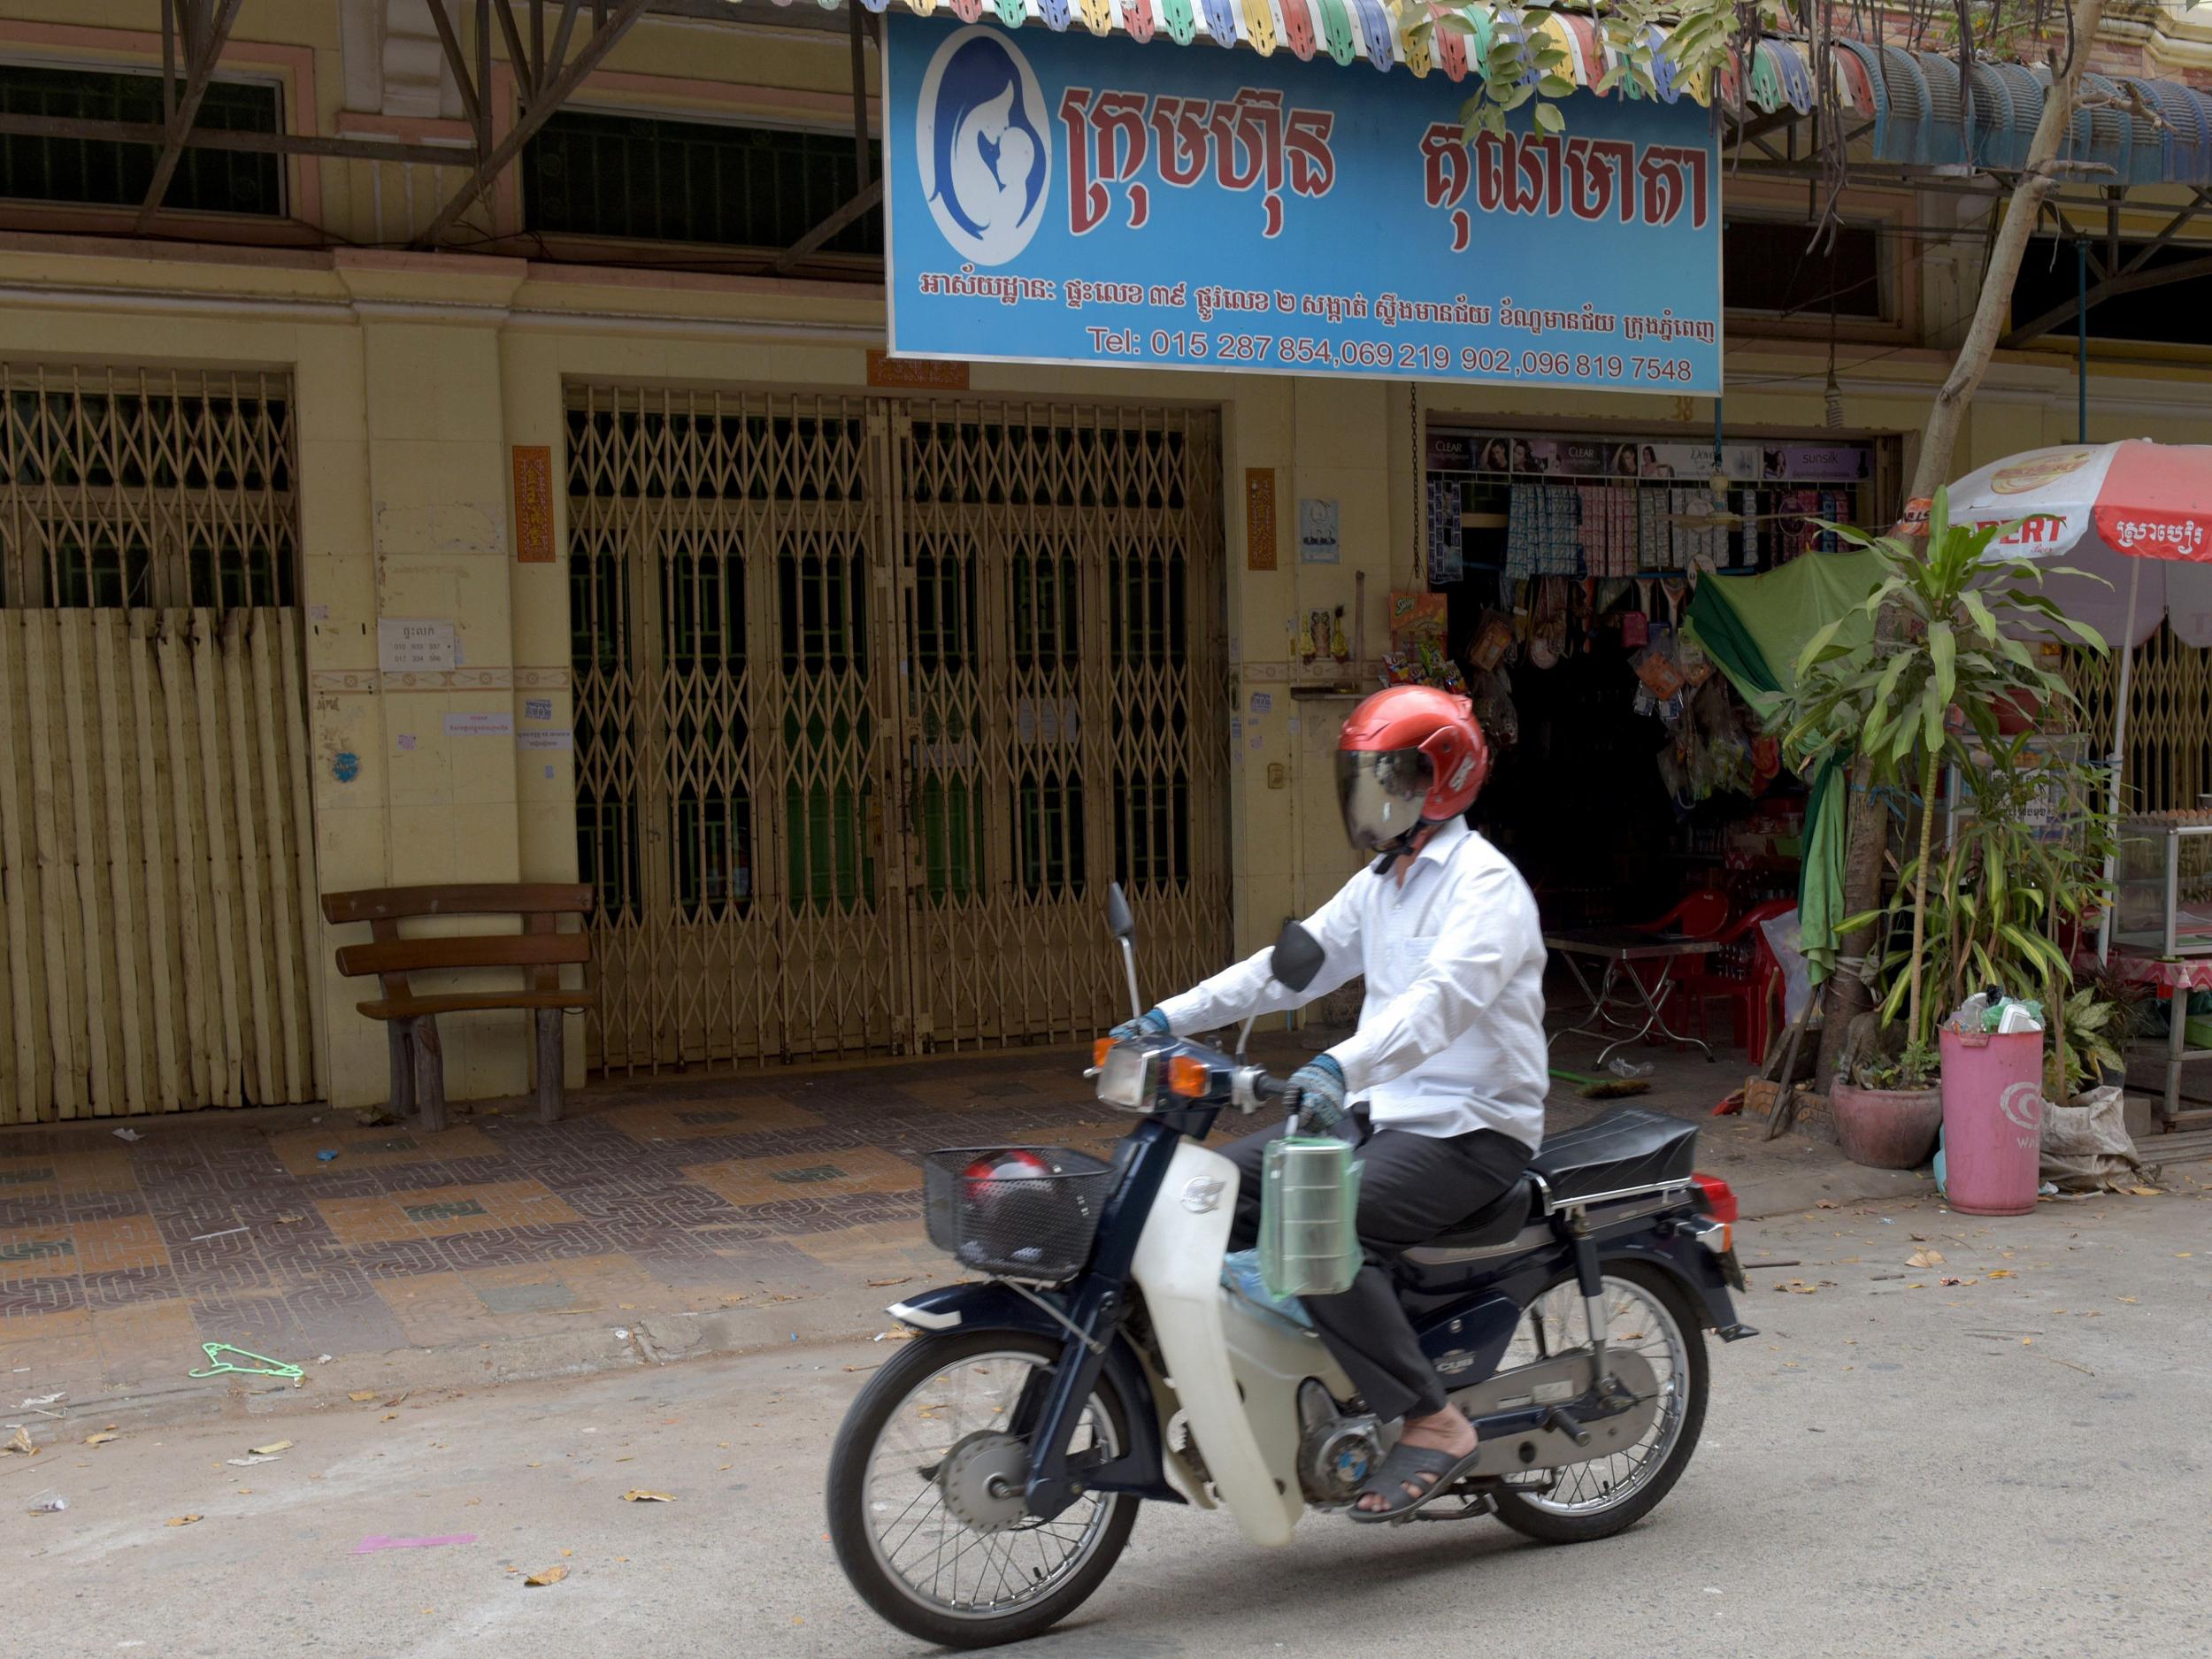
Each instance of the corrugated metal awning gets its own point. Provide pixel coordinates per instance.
(1912, 98)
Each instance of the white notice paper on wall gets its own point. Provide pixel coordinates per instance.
(561, 738)
(413, 646)
(501, 725)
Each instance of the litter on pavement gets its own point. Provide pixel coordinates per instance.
(267, 1367)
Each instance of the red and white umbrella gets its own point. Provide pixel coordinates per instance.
(2135, 519)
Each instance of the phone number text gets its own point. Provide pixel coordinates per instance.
(1216, 346)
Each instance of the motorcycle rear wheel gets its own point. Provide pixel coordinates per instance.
(1645, 1310)
(898, 1538)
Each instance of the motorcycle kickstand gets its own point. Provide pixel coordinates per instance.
(1473, 1506)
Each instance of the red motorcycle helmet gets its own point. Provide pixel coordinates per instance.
(1410, 756)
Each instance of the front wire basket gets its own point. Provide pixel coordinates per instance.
(1034, 1217)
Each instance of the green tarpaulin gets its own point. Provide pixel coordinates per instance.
(1755, 627)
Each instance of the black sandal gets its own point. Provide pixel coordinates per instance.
(1401, 1469)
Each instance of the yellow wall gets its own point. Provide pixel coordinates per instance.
(415, 374)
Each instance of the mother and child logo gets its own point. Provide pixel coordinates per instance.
(979, 135)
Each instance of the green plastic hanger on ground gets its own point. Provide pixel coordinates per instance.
(1755, 627)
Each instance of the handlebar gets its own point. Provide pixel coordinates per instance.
(1266, 1087)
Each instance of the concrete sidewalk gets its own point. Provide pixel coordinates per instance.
(661, 1220)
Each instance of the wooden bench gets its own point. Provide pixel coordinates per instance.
(412, 1020)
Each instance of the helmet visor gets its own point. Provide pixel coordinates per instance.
(1380, 793)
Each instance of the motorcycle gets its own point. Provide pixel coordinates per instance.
(986, 1479)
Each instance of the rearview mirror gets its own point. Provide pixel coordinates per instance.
(1118, 916)
(1296, 958)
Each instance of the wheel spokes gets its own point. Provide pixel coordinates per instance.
(941, 1559)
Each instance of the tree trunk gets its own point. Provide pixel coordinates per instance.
(1930, 769)
(1867, 836)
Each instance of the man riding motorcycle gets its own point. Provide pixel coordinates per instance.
(1449, 1058)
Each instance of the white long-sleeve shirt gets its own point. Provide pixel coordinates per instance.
(1451, 1038)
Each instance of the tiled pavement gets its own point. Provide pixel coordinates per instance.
(118, 1258)
(686, 1196)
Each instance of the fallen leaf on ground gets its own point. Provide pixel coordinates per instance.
(2129, 1300)
(182, 1520)
(2001, 1272)
(1796, 1287)
(551, 1575)
(2147, 1192)
(885, 1284)
(637, 1494)
(1956, 1280)
(99, 1440)
(271, 1449)
(362, 1396)
(20, 1443)
(388, 1417)
(1924, 1259)
(1827, 1203)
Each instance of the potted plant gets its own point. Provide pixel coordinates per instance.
(1923, 691)
(2017, 875)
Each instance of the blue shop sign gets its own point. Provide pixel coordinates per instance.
(1061, 198)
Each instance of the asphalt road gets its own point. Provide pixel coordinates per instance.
(2011, 1468)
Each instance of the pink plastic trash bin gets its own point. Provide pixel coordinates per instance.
(1992, 1121)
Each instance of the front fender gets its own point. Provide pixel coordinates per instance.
(987, 1305)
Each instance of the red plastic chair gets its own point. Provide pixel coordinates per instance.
(1700, 916)
(1753, 994)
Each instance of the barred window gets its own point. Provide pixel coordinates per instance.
(107, 173)
(146, 489)
(712, 182)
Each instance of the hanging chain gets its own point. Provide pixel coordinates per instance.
(1420, 489)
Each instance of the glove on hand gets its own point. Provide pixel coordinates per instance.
(1316, 1090)
(1151, 1023)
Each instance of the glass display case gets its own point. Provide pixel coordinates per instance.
(2164, 902)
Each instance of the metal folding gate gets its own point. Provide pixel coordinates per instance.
(873, 698)
(157, 854)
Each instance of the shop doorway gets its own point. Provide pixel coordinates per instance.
(158, 892)
(873, 696)
(1630, 774)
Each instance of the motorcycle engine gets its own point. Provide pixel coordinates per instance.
(1335, 1452)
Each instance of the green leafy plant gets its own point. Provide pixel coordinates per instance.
(1912, 1067)
(2090, 1034)
(1909, 700)
(1516, 62)
(2021, 868)
(2085, 1042)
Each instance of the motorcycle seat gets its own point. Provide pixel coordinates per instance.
(1495, 1222)
(1626, 1148)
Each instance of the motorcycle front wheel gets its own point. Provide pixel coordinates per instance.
(926, 1510)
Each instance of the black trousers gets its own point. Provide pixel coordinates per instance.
(1412, 1187)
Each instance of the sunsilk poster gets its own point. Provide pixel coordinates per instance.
(1068, 198)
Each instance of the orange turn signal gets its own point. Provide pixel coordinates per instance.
(1187, 1077)
(1100, 1049)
